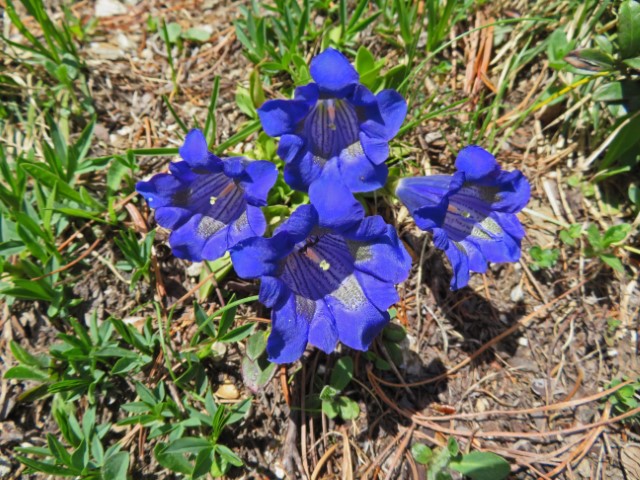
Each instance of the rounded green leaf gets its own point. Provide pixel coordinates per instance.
(482, 466)
(421, 453)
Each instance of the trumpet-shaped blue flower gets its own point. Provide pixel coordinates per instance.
(324, 285)
(210, 204)
(334, 136)
(471, 213)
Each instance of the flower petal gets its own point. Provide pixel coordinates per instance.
(300, 223)
(456, 255)
(273, 292)
(289, 333)
(195, 152)
(476, 163)
(358, 173)
(377, 250)
(381, 294)
(393, 110)
(332, 71)
(279, 117)
(335, 204)
(322, 330)
(358, 321)
(172, 217)
(375, 148)
(260, 177)
(160, 190)
(189, 239)
(302, 171)
(258, 256)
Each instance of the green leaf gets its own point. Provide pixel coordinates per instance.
(616, 234)
(342, 373)
(203, 463)
(609, 92)
(633, 63)
(238, 334)
(365, 60)
(174, 462)
(227, 318)
(115, 466)
(173, 32)
(228, 455)
(48, 468)
(590, 59)
(187, 445)
(58, 450)
(255, 88)
(330, 408)
(394, 333)
(482, 466)
(196, 34)
(29, 290)
(613, 261)
(452, 447)
(22, 372)
(24, 357)
(626, 139)
(421, 453)
(349, 409)
(328, 393)
(629, 29)
(124, 365)
(256, 345)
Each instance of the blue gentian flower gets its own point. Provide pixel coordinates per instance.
(334, 136)
(210, 204)
(324, 285)
(471, 213)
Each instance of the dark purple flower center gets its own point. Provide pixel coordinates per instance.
(317, 266)
(331, 126)
(213, 195)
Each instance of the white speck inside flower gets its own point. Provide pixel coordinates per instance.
(212, 200)
(150, 199)
(324, 265)
(453, 209)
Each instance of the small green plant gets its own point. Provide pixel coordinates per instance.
(625, 399)
(599, 245)
(87, 458)
(543, 258)
(475, 465)
(391, 339)
(257, 371)
(333, 404)
(137, 255)
(58, 54)
(204, 454)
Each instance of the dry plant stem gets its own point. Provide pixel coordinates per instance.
(596, 153)
(82, 256)
(303, 422)
(192, 291)
(291, 460)
(382, 455)
(323, 460)
(347, 464)
(520, 323)
(401, 450)
(412, 465)
(492, 434)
